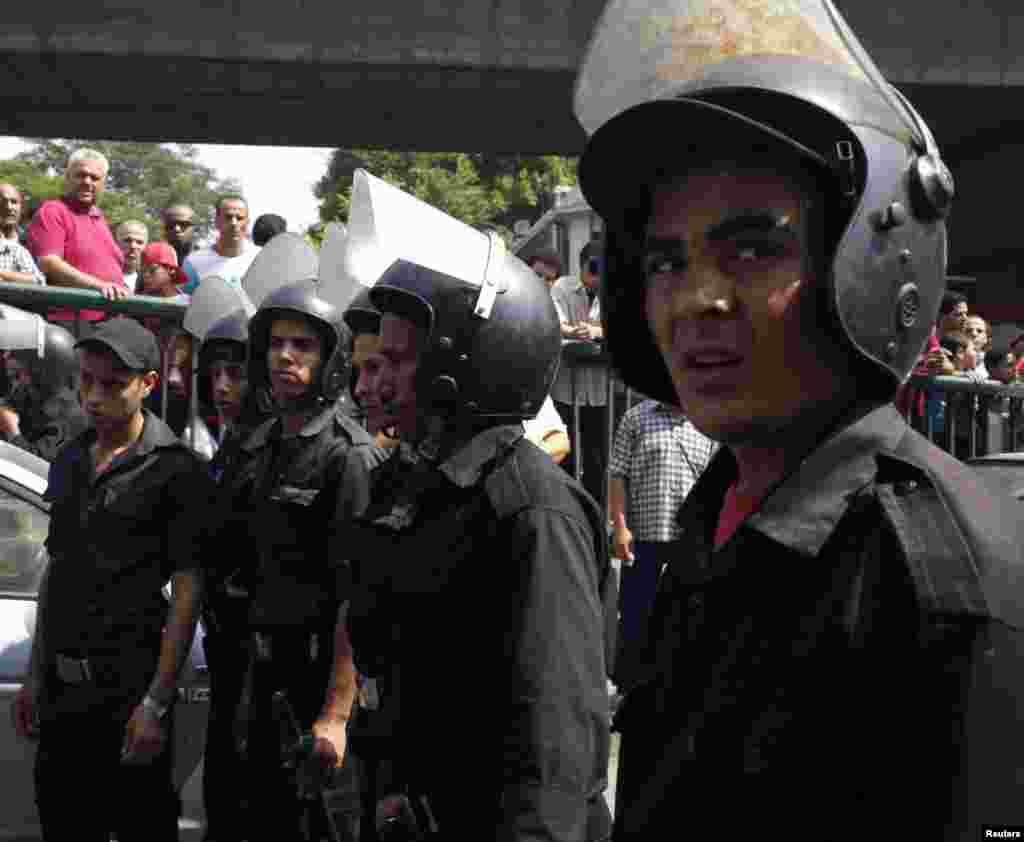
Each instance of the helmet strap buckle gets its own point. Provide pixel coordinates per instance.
(847, 169)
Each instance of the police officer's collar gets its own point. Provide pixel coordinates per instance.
(155, 434)
(465, 465)
(803, 510)
(267, 430)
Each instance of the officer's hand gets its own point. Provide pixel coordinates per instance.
(9, 422)
(329, 748)
(113, 292)
(144, 737)
(23, 713)
(595, 332)
(622, 544)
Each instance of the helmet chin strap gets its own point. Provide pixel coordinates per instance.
(307, 403)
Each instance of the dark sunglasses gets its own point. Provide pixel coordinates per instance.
(594, 265)
(178, 223)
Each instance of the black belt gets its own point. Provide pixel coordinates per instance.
(90, 670)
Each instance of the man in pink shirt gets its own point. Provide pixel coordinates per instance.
(71, 240)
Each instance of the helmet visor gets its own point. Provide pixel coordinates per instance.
(214, 299)
(287, 259)
(20, 331)
(387, 224)
(644, 50)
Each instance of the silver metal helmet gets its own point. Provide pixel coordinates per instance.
(666, 83)
(493, 336)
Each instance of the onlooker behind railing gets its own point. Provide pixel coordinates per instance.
(977, 330)
(1001, 364)
(232, 254)
(72, 242)
(579, 312)
(917, 407)
(16, 264)
(962, 354)
(547, 265)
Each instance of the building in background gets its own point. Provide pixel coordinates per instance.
(565, 228)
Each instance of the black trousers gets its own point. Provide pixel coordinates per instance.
(84, 792)
(224, 799)
(273, 811)
(592, 448)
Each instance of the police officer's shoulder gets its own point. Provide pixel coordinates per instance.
(529, 479)
(351, 430)
(962, 538)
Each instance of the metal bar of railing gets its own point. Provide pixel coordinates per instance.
(40, 299)
(577, 457)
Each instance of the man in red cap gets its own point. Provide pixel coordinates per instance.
(161, 275)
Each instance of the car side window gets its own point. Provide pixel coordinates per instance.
(23, 557)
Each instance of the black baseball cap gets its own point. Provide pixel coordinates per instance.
(131, 343)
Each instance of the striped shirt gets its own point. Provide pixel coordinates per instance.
(660, 455)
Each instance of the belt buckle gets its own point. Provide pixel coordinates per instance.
(73, 670)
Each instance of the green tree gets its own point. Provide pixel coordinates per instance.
(479, 189)
(144, 178)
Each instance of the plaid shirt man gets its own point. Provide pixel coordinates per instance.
(14, 257)
(660, 455)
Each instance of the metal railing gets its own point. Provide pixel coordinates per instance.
(967, 418)
(41, 299)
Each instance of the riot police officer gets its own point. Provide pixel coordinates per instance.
(42, 412)
(363, 319)
(223, 384)
(834, 651)
(479, 564)
(297, 480)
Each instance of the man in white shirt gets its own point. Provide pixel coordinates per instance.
(548, 431)
(233, 252)
(132, 237)
(579, 311)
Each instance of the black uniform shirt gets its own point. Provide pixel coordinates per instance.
(478, 603)
(289, 499)
(116, 539)
(793, 682)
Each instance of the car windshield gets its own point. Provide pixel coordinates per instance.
(23, 557)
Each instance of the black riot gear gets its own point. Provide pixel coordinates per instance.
(500, 367)
(361, 316)
(821, 102)
(301, 300)
(57, 367)
(227, 340)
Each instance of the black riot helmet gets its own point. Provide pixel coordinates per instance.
(493, 339)
(361, 316)
(498, 366)
(57, 368)
(46, 350)
(300, 301)
(686, 83)
(227, 340)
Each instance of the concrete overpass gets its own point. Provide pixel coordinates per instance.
(476, 75)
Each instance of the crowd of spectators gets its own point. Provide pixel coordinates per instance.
(68, 242)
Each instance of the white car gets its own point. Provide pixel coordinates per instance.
(24, 520)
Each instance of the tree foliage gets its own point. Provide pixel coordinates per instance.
(479, 189)
(144, 178)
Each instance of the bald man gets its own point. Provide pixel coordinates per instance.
(16, 264)
(132, 237)
(179, 228)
